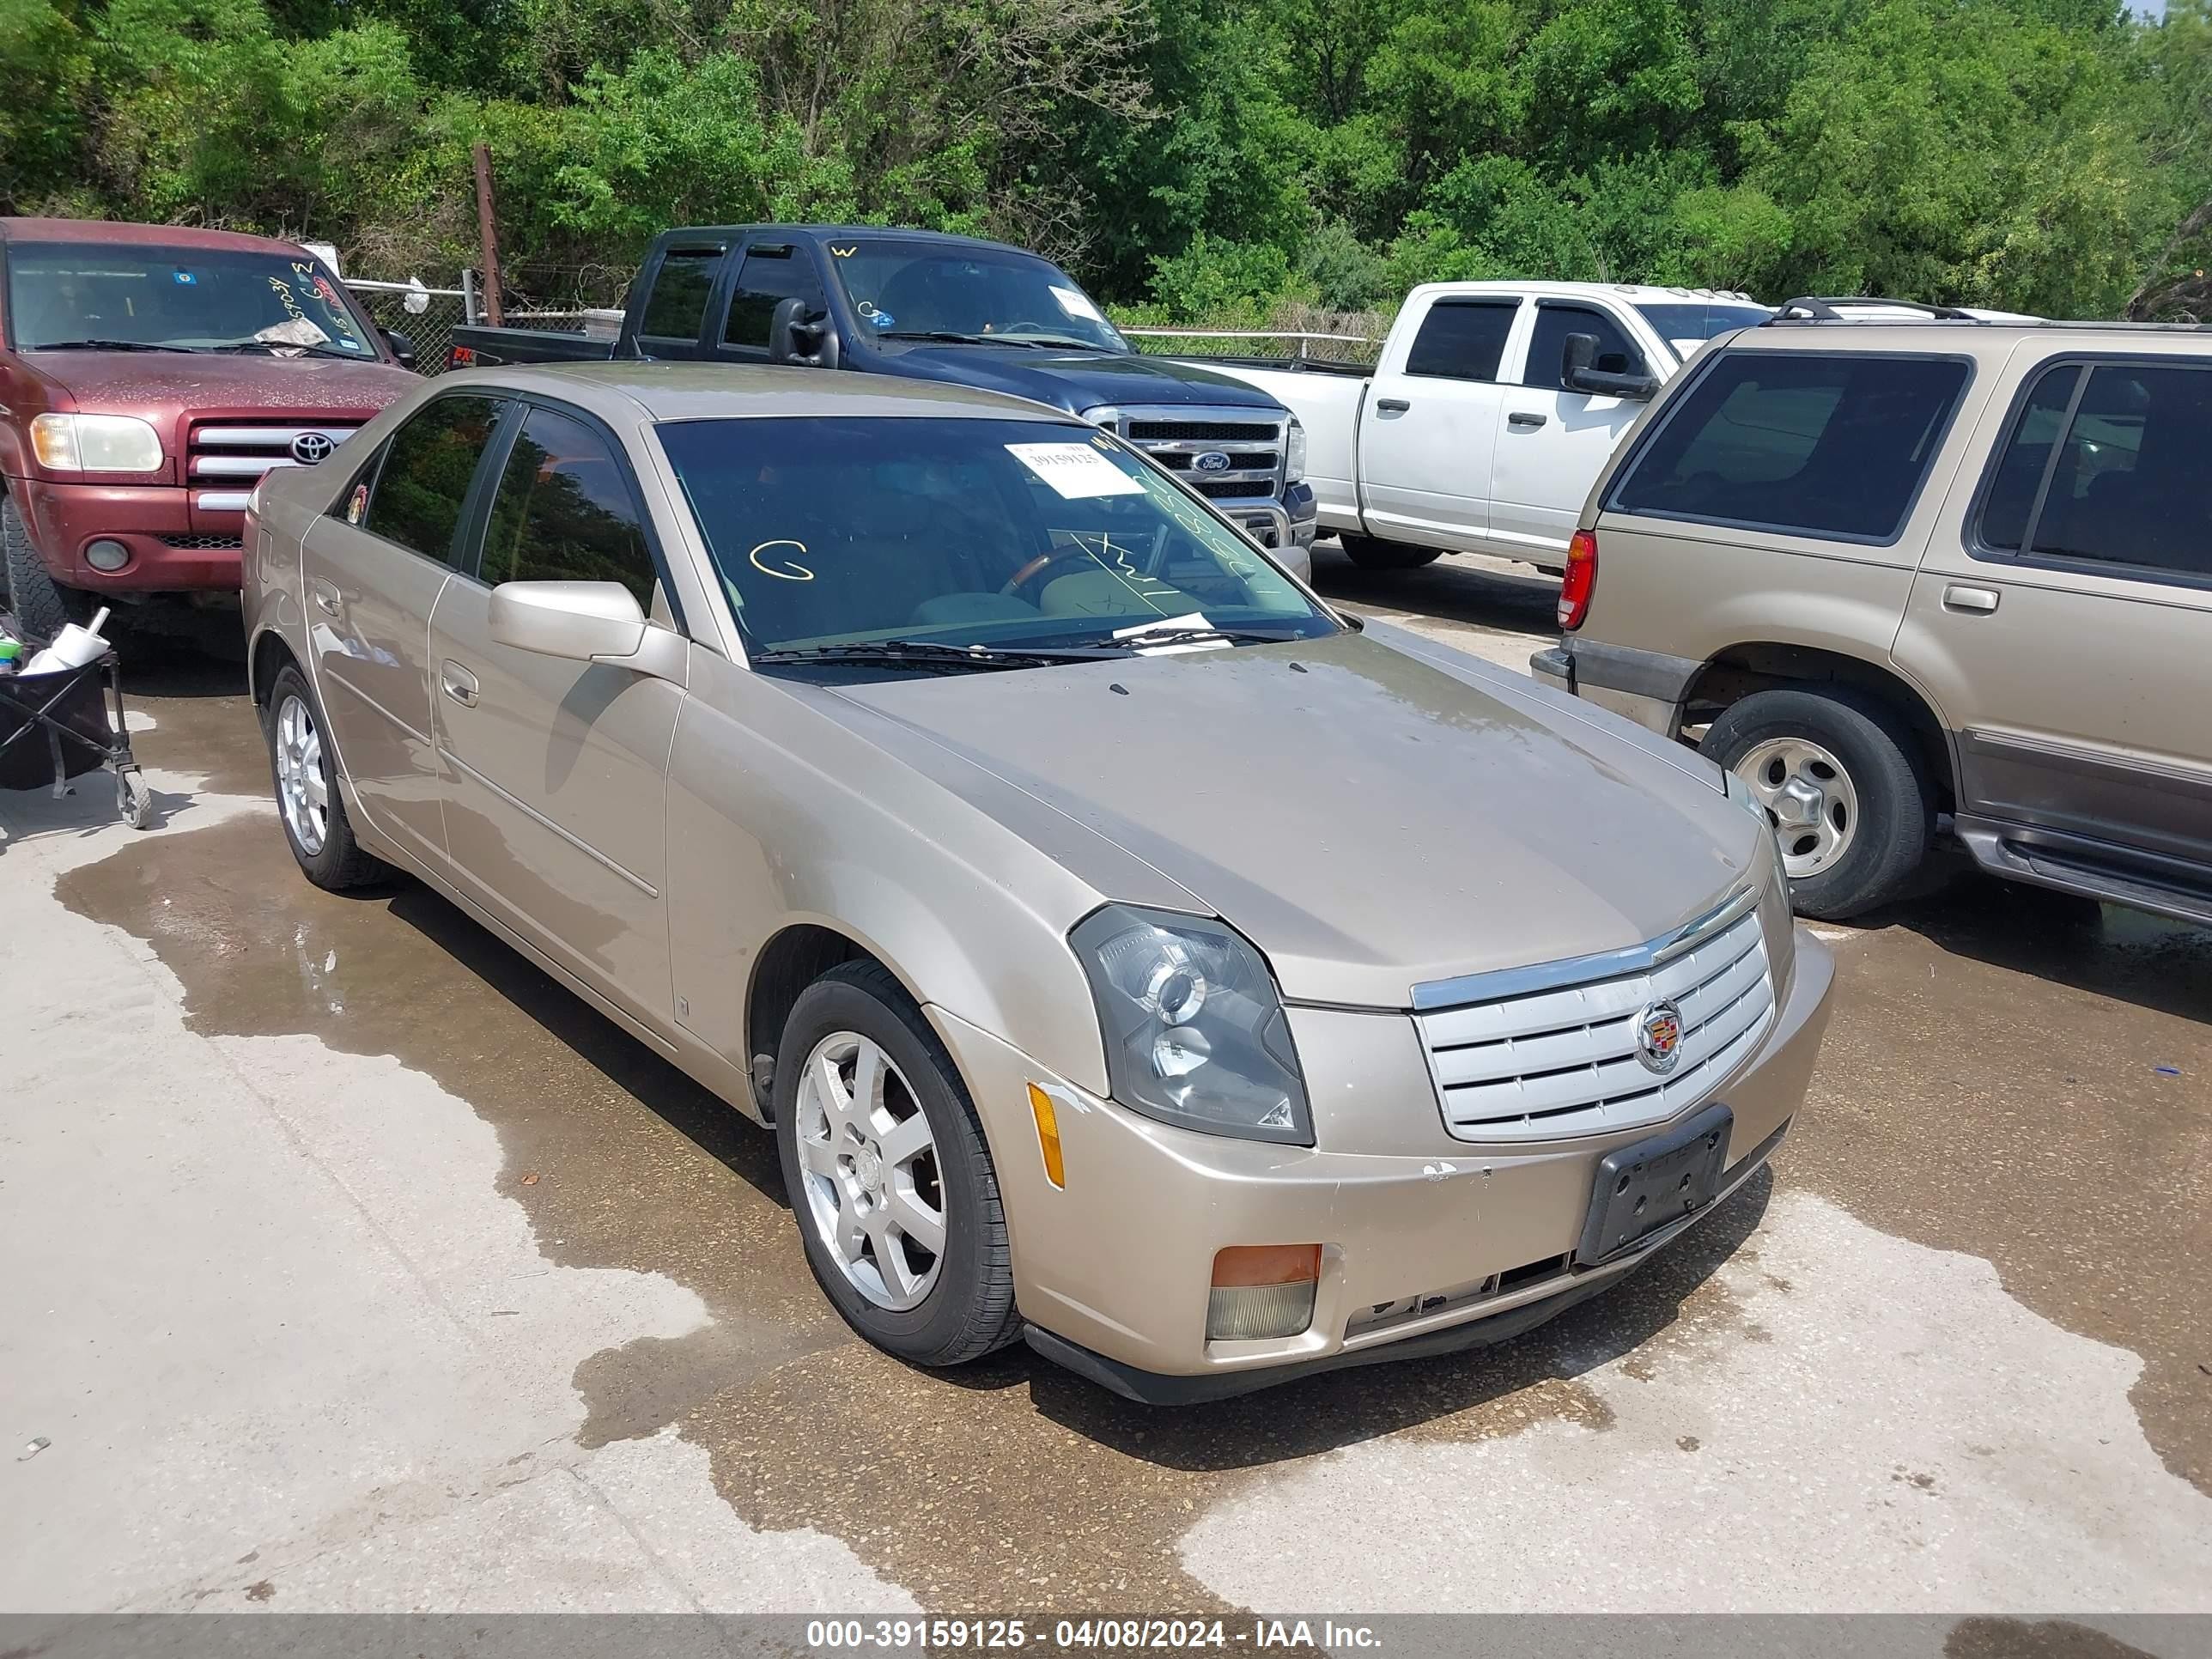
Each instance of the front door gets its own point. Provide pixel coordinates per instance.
(1553, 442)
(374, 566)
(1429, 423)
(2068, 633)
(556, 771)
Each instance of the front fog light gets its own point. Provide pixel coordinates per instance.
(1195, 1035)
(1262, 1290)
(107, 555)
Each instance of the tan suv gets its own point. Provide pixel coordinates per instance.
(1899, 572)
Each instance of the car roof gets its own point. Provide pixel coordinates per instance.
(880, 233)
(115, 232)
(692, 392)
(1986, 340)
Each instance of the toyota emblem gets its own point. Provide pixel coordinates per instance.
(311, 448)
(1659, 1037)
(1211, 461)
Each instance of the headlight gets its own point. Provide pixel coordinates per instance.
(1105, 415)
(1294, 452)
(95, 443)
(1195, 1035)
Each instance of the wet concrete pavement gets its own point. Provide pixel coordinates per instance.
(1955, 1354)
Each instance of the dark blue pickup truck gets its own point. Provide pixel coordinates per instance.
(935, 307)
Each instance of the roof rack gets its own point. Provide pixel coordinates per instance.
(1811, 309)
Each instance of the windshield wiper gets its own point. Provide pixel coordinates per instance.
(948, 335)
(1159, 636)
(285, 345)
(106, 345)
(928, 653)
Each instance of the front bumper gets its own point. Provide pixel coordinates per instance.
(175, 545)
(1464, 1243)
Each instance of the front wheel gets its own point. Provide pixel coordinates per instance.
(888, 1177)
(1843, 785)
(42, 604)
(1369, 553)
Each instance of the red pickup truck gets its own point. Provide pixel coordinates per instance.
(149, 375)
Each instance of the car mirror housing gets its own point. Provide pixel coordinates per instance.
(402, 347)
(578, 622)
(1578, 372)
(794, 337)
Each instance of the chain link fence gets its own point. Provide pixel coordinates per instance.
(427, 316)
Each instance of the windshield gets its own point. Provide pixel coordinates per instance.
(186, 299)
(845, 530)
(920, 289)
(1688, 324)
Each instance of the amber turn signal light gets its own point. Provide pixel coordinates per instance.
(1047, 1126)
(1262, 1290)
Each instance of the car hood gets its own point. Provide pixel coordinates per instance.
(1369, 815)
(140, 382)
(1077, 380)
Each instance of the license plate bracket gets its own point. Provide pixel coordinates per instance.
(1651, 1183)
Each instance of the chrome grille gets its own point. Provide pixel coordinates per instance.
(1555, 1053)
(229, 457)
(1251, 440)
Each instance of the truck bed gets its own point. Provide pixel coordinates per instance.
(491, 347)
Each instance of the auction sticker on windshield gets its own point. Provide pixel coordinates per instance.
(1076, 303)
(1076, 472)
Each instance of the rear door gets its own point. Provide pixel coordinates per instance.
(1553, 442)
(1431, 423)
(556, 770)
(374, 566)
(2068, 629)
(671, 317)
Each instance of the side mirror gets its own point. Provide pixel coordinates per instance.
(1578, 373)
(403, 346)
(578, 622)
(795, 337)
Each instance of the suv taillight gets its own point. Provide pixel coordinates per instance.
(1581, 581)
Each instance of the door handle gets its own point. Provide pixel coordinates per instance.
(1981, 600)
(1391, 405)
(1526, 418)
(457, 682)
(327, 597)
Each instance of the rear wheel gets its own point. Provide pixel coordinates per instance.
(889, 1175)
(1842, 781)
(1369, 553)
(308, 804)
(42, 604)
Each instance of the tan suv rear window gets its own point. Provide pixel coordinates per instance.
(1810, 443)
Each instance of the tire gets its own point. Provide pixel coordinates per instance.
(1877, 790)
(335, 861)
(1370, 554)
(967, 1308)
(42, 604)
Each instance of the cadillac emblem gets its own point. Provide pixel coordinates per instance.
(1659, 1037)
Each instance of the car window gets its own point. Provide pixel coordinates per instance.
(1462, 339)
(842, 530)
(1686, 324)
(677, 307)
(768, 277)
(240, 300)
(565, 512)
(1548, 347)
(2125, 486)
(428, 466)
(1799, 441)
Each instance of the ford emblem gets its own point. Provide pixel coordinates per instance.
(1211, 461)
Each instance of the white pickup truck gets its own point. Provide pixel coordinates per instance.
(1489, 414)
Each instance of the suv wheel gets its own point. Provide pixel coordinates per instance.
(889, 1179)
(1842, 780)
(1370, 554)
(42, 604)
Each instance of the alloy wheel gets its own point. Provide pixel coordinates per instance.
(874, 1191)
(303, 793)
(1808, 796)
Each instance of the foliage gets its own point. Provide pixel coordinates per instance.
(1218, 161)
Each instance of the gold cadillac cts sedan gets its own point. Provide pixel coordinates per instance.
(1130, 954)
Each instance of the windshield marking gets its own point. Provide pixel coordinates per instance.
(792, 571)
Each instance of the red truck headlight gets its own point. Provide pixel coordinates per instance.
(95, 443)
